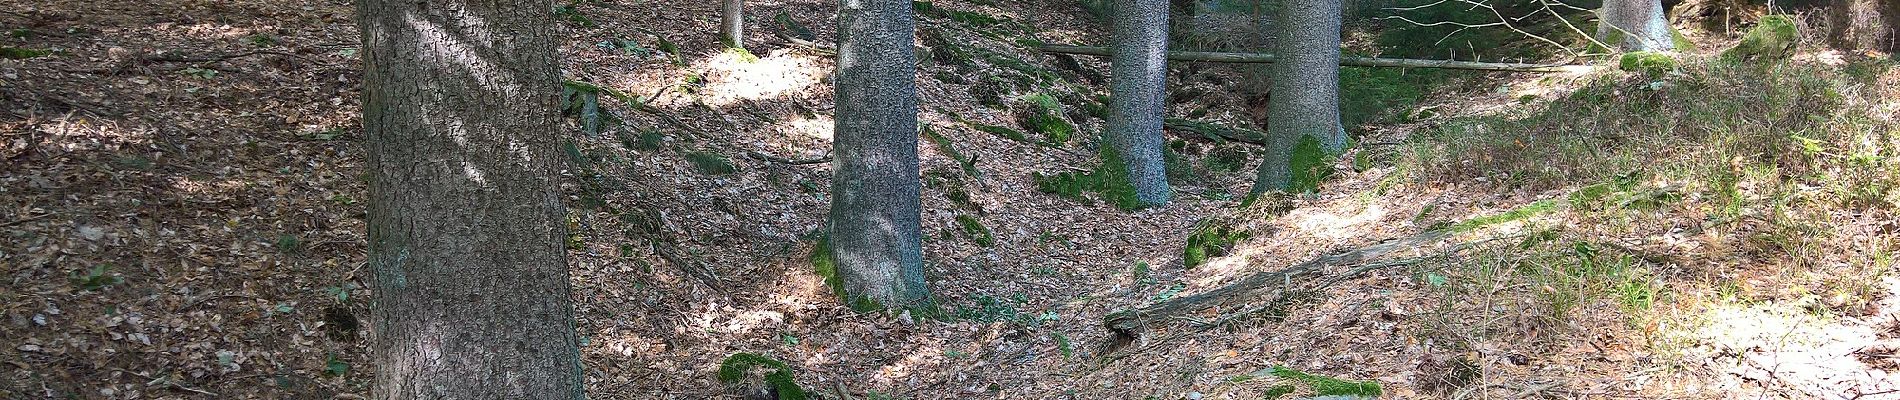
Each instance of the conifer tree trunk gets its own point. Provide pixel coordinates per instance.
(873, 233)
(1303, 128)
(1140, 67)
(1634, 25)
(466, 225)
(732, 23)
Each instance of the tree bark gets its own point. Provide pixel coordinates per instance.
(1218, 57)
(465, 221)
(874, 230)
(1305, 90)
(1140, 71)
(732, 23)
(1634, 25)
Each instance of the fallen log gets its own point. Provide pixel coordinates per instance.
(1208, 56)
(1130, 323)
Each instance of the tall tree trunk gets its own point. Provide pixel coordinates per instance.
(1634, 25)
(465, 221)
(732, 23)
(1305, 98)
(1140, 67)
(873, 234)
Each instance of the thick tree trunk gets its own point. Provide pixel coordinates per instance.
(465, 222)
(1634, 25)
(1140, 72)
(1305, 100)
(732, 23)
(873, 235)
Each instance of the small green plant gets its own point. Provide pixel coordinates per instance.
(1062, 344)
(736, 366)
(288, 243)
(334, 366)
(96, 278)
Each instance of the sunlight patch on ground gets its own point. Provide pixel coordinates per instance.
(731, 77)
(1343, 220)
(820, 127)
(1796, 349)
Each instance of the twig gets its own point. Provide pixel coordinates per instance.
(28, 219)
(783, 160)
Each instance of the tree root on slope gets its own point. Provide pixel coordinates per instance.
(1280, 288)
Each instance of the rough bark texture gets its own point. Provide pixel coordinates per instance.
(732, 23)
(465, 222)
(1634, 25)
(1305, 98)
(873, 234)
(1140, 72)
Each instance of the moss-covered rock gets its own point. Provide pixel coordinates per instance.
(1647, 63)
(1772, 40)
(1043, 116)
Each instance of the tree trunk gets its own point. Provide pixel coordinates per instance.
(1634, 25)
(732, 23)
(1305, 97)
(874, 231)
(1140, 70)
(465, 220)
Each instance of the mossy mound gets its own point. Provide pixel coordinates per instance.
(1210, 239)
(1648, 63)
(1772, 40)
(1043, 116)
(1110, 180)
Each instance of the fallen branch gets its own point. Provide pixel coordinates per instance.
(1206, 56)
(1217, 132)
(788, 161)
(1130, 323)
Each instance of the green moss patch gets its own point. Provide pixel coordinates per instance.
(711, 163)
(1515, 214)
(1329, 386)
(1043, 116)
(1308, 166)
(1772, 40)
(20, 53)
(1210, 239)
(974, 229)
(736, 366)
(1110, 180)
(1647, 63)
(943, 144)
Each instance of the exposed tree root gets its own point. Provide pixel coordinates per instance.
(1278, 286)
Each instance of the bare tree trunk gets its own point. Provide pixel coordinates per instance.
(465, 221)
(1140, 69)
(874, 231)
(1634, 25)
(1305, 102)
(732, 23)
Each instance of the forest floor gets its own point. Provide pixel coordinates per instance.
(181, 217)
